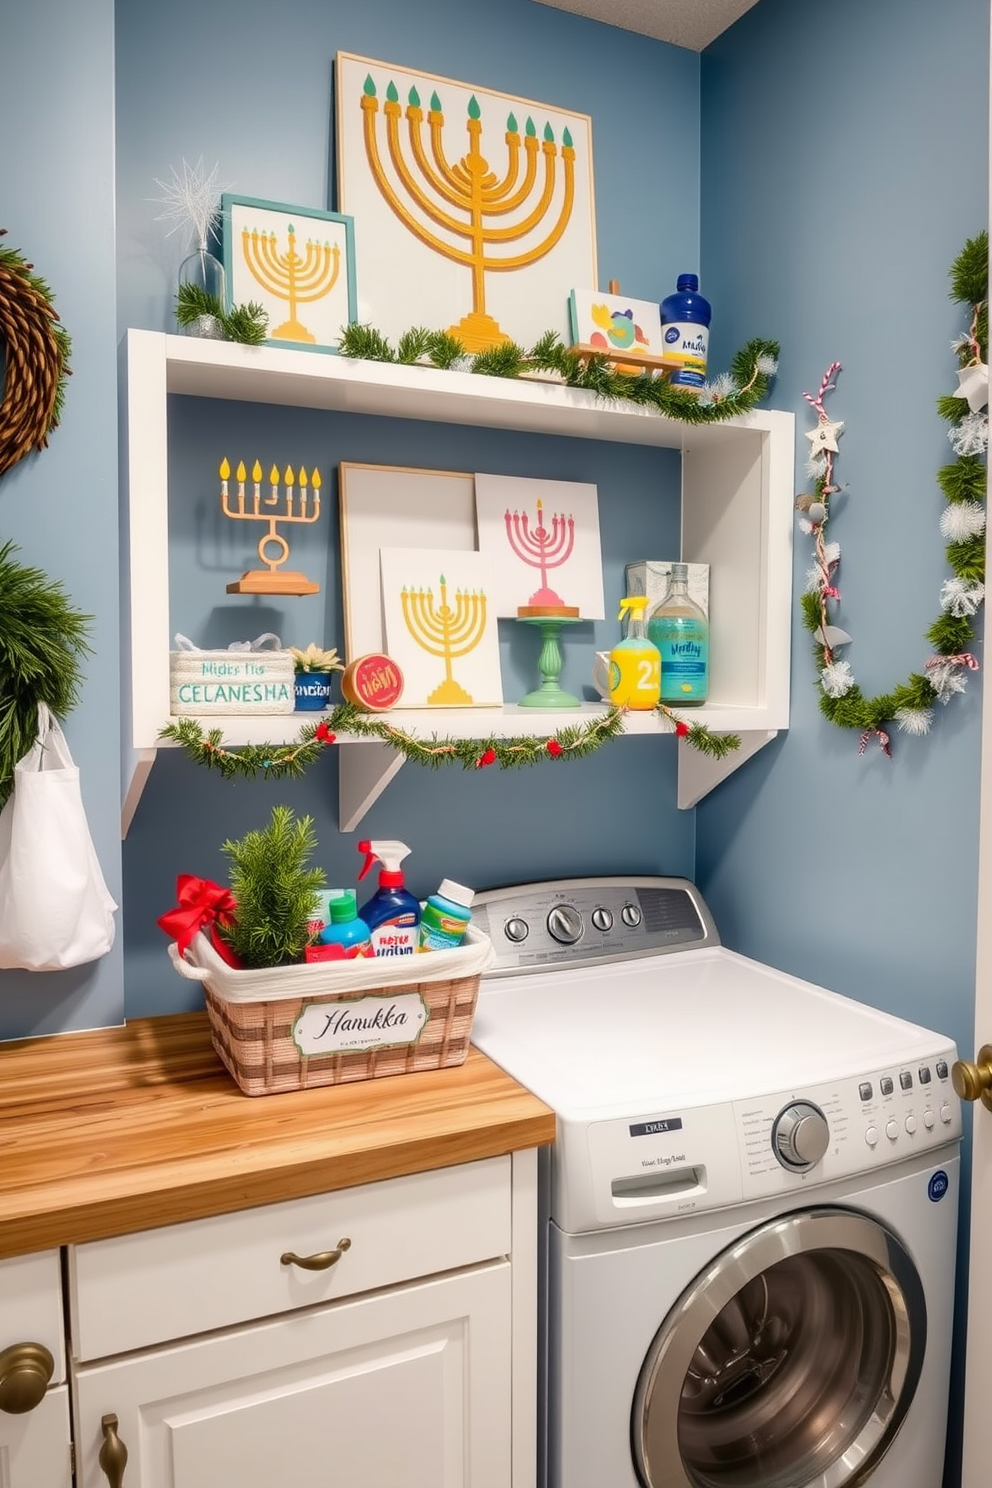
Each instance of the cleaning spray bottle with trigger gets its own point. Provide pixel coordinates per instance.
(635, 662)
(392, 914)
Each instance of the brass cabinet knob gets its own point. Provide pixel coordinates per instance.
(113, 1452)
(974, 1081)
(322, 1261)
(25, 1371)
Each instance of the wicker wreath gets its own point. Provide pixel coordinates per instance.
(35, 351)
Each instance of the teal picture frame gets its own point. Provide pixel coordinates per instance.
(298, 263)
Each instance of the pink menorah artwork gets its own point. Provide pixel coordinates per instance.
(542, 548)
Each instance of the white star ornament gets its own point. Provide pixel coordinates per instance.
(973, 384)
(824, 436)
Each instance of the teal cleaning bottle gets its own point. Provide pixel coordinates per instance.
(345, 935)
(392, 914)
(685, 332)
(445, 916)
(679, 628)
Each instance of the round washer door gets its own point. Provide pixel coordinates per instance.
(790, 1362)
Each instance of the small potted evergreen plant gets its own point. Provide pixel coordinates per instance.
(275, 891)
(314, 669)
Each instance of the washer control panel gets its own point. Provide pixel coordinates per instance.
(580, 921)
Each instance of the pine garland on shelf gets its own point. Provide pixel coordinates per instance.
(279, 761)
(246, 324)
(962, 524)
(727, 395)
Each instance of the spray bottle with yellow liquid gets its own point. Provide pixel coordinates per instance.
(635, 662)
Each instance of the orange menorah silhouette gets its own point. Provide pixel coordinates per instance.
(446, 631)
(291, 276)
(470, 187)
(273, 549)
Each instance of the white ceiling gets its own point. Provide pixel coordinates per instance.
(685, 23)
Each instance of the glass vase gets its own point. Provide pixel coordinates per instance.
(206, 272)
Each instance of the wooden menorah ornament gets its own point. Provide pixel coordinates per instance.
(295, 504)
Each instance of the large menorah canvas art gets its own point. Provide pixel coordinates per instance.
(474, 210)
(298, 263)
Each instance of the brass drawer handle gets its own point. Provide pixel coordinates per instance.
(322, 1261)
(113, 1453)
(25, 1372)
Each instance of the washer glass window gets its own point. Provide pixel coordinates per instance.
(789, 1363)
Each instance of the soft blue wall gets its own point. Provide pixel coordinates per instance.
(844, 164)
(60, 506)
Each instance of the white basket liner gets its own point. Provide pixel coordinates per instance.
(330, 978)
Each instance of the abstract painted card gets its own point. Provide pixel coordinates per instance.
(615, 324)
(543, 539)
(474, 210)
(297, 263)
(441, 627)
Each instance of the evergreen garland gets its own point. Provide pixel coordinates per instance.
(247, 324)
(41, 641)
(963, 483)
(732, 393)
(282, 761)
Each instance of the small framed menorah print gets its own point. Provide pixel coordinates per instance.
(297, 263)
(475, 208)
(440, 627)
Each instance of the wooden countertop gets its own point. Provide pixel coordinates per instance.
(122, 1129)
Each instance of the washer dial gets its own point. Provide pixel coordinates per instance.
(565, 924)
(800, 1135)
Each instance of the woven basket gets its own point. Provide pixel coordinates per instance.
(248, 678)
(266, 1026)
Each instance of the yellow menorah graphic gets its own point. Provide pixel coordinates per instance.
(300, 279)
(471, 188)
(446, 631)
(273, 549)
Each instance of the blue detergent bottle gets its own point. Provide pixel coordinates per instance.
(685, 332)
(392, 914)
(345, 935)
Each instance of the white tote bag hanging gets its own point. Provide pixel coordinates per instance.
(55, 909)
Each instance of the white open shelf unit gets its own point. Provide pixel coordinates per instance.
(737, 515)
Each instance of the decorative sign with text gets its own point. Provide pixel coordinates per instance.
(360, 1024)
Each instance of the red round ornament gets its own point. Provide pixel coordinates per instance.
(374, 682)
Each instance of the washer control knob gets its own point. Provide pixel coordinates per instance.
(565, 924)
(516, 929)
(911, 1124)
(945, 1114)
(631, 915)
(800, 1135)
(602, 919)
(871, 1136)
(928, 1119)
(892, 1130)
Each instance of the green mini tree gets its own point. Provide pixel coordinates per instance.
(274, 889)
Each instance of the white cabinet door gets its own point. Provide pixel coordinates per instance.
(408, 1388)
(34, 1447)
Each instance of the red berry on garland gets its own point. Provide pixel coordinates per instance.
(324, 734)
(487, 757)
(553, 748)
(681, 730)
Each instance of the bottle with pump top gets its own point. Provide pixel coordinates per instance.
(635, 663)
(445, 916)
(679, 628)
(392, 914)
(685, 332)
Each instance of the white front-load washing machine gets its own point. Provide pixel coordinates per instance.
(749, 1215)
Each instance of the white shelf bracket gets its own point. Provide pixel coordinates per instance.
(364, 771)
(140, 771)
(699, 773)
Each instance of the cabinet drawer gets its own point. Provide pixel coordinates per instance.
(31, 1305)
(137, 1290)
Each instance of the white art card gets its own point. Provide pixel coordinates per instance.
(474, 210)
(543, 539)
(441, 627)
(615, 324)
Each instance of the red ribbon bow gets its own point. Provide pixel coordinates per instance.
(201, 903)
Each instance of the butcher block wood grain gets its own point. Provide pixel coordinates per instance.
(123, 1129)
